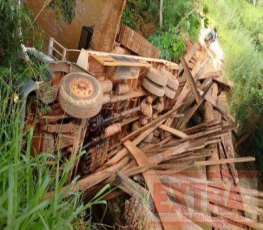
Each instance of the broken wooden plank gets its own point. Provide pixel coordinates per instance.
(215, 209)
(136, 141)
(194, 108)
(152, 181)
(136, 43)
(154, 122)
(191, 80)
(225, 161)
(175, 132)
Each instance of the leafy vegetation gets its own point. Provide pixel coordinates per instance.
(181, 20)
(26, 180)
(65, 9)
(240, 35)
(170, 43)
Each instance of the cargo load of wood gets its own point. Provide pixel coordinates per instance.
(189, 144)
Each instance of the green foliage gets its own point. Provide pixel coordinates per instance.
(180, 19)
(170, 43)
(141, 11)
(13, 20)
(243, 61)
(129, 18)
(183, 15)
(65, 9)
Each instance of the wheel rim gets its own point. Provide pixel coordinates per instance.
(81, 87)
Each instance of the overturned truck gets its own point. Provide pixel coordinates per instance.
(92, 106)
(145, 125)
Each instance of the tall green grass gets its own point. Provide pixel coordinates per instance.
(239, 24)
(25, 180)
(240, 30)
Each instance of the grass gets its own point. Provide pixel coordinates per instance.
(243, 58)
(25, 180)
(240, 32)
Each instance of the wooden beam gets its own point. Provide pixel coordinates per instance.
(122, 153)
(175, 132)
(225, 161)
(195, 107)
(152, 180)
(191, 80)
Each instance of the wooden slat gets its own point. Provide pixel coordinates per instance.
(175, 132)
(111, 61)
(225, 161)
(191, 80)
(152, 181)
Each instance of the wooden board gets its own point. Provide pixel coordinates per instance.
(106, 30)
(152, 180)
(225, 161)
(175, 132)
(111, 60)
(136, 43)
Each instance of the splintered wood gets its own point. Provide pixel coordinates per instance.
(188, 178)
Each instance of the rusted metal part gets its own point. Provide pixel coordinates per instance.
(106, 86)
(106, 98)
(113, 129)
(121, 89)
(146, 108)
(98, 156)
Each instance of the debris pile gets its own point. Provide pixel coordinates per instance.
(157, 130)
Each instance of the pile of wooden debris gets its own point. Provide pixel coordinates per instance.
(176, 157)
(158, 131)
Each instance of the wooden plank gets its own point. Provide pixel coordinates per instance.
(217, 210)
(170, 65)
(224, 82)
(194, 108)
(161, 118)
(136, 43)
(219, 107)
(250, 202)
(191, 80)
(122, 153)
(119, 61)
(189, 55)
(175, 132)
(152, 180)
(132, 188)
(105, 31)
(225, 161)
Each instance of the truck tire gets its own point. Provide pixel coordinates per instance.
(80, 95)
(153, 88)
(172, 82)
(157, 77)
(169, 93)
